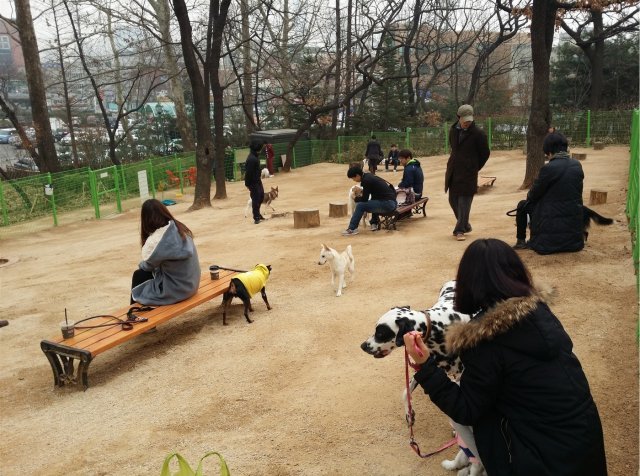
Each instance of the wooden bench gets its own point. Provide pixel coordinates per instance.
(388, 220)
(485, 182)
(86, 344)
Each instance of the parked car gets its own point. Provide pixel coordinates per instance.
(26, 163)
(5, 135)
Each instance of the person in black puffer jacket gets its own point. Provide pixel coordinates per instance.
(522, 390)
(554, 203)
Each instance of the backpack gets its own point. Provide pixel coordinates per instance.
(405, 196)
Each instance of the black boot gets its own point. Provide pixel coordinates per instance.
(520, 245)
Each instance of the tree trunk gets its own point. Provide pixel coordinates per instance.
(542, 29)
(247, 83)
(204, 149)
(338, 69)
(407, 53)
(46, 158)
(65, 91)
(177, 92)
(348, 67)
(220, 19)
(597, 61)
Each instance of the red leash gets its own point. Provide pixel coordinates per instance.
(412, 442)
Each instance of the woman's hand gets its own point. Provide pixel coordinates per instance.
(416, 348)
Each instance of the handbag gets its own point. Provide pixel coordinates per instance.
(405, 196)
(185, 470)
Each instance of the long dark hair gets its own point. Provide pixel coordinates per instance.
(153, 215)
(490, 271)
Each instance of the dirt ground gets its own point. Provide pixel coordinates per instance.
(292, 393)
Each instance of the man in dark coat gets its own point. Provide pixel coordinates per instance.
(554, 203)
(373, 154)
(252, 179)
(469, 152)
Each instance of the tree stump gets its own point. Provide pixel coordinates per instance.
(337, 210)
(597, 196)
(598, 145)
(306, 218)
(579, 156)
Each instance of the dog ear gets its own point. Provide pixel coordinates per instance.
(404, 326)
(269, 268)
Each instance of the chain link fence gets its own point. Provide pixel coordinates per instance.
(44, 200)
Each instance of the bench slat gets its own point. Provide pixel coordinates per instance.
(100, 339)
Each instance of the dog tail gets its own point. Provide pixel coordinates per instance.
(599, 219)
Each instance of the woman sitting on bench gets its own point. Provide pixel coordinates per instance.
(169, 271)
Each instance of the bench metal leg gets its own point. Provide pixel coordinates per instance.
(62, 360)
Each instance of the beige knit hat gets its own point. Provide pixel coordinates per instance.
(465, 113)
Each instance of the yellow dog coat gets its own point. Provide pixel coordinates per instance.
(255, 279)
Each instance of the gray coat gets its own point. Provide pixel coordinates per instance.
(175, 267)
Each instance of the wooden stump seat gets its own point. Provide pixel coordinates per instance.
(337, 210)
(306, 218)
(598, 145)
(579, 156)
(597, 197)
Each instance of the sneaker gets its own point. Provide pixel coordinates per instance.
(520, 245)
(375, 227)
(257, 222)
(460, 237)
(469, 229)
(395, 170)
(349, 232)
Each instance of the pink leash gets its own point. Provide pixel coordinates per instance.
(412, 441)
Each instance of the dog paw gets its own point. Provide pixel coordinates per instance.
(464, 471)
(410, 418)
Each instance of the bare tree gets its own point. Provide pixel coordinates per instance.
(46, 156)
(589, 32)
(209, 60)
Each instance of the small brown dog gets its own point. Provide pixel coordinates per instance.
(269, 197)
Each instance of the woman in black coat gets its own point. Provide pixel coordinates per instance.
(554, 203)
(522, 390)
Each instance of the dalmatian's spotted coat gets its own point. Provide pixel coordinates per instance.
(389, 333)
(396, 322)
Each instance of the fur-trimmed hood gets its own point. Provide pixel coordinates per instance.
(537, 336)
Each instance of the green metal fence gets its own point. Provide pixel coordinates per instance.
(86, 193)
(632, 192)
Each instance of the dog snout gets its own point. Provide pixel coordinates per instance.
(366, 347)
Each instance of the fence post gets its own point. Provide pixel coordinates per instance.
(124, 181)
(94, 193)
(407, 138)
(151, 178)
(446, 138)
(339, 149)
(588, 139)
(179, 169)
(116, 184)
(53, 198)
(489, 132)
(5, 215)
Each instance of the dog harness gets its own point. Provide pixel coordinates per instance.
(255, 279)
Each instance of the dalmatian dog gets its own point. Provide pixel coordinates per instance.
(432, 323)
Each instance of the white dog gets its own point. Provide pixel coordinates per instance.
(265, 173)
(339, 264)
(355, 191)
